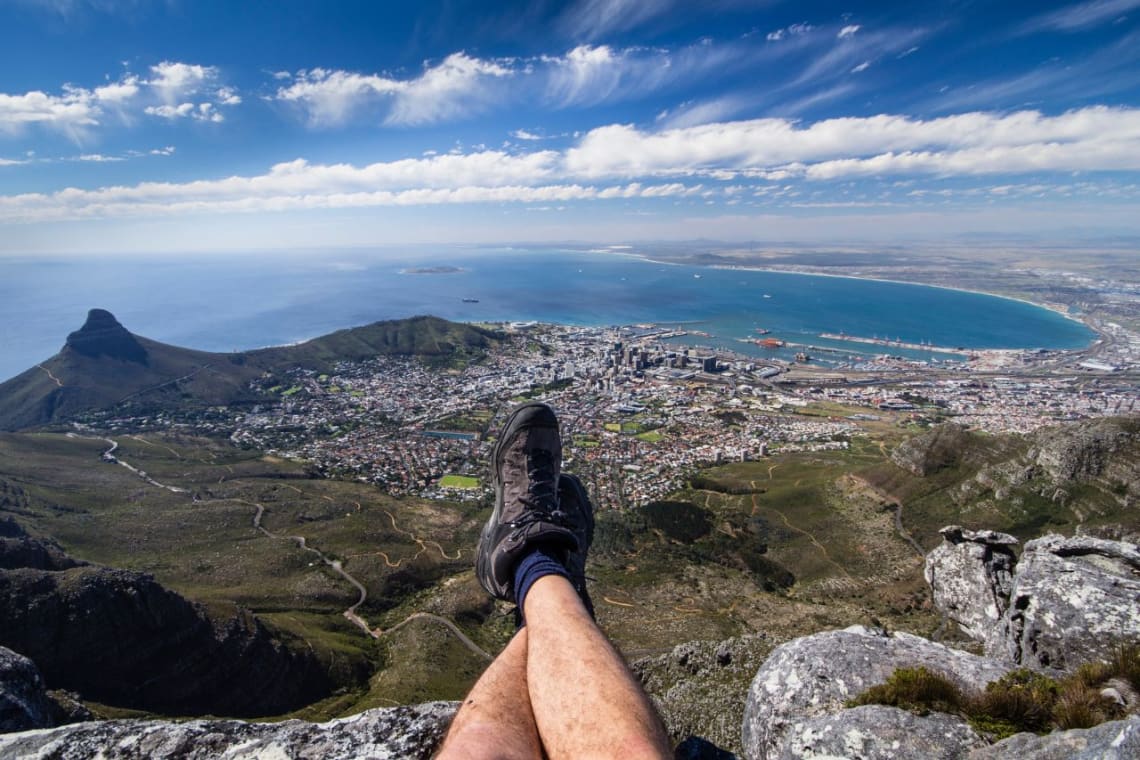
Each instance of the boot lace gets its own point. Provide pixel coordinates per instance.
(541, 493)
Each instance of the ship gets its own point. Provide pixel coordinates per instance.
(762, 331)
(769, 342)
(470, 300)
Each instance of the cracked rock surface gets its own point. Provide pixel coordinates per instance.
(402, 733)
(812, 677)
(1073, 600)
(971, 575)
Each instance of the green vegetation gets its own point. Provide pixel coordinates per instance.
(173, 378)
(1022, 700)
(458, 481)
(651, 436)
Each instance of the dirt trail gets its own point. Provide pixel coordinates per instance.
(54, 379)
(351, 613)
(109, 456)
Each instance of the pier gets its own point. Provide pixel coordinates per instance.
(893, 343)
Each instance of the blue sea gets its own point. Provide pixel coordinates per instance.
(228, 302)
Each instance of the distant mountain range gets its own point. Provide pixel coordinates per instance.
(102, 364)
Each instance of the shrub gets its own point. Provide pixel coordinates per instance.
(1021, 700)
(916, 689)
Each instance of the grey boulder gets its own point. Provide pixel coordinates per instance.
(1117, 740)
(1073, 601)
(971, 576)
(877, 732)
(397, 732)
(812, 677)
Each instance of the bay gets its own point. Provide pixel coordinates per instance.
(233, 302)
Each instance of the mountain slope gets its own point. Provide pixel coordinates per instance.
(103, 364)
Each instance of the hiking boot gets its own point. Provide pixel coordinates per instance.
(526, 462)
(580, 512)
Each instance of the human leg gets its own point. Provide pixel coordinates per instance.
(532, 552)
(586, 702)
(495, 720)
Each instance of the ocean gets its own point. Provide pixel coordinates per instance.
(232, 302)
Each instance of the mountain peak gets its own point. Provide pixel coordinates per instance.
(102, 335)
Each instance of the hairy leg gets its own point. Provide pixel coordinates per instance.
(586, 702)
(496, 720)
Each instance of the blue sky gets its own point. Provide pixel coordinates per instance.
(152, 125)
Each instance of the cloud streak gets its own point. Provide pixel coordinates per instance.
(621, 161)
(1081, 16)
(450, 89)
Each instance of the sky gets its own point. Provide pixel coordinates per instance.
(213, 125)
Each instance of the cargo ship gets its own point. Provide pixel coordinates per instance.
(769, 342)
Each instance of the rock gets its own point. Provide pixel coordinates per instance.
(1073, 600)
(1116, 740)
(18, 549)
(102, 335)
(971, 576)
(412, 731)
(23, 702)
(940, 447)
(699, 689)
(120, 638)
(1080, 452)
(877, 732)
(812, 677)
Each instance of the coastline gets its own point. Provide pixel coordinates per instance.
(1056, 309)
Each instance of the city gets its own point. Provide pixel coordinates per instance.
(639, 416)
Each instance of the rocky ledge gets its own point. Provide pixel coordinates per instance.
(400, 733)
(1064, 602)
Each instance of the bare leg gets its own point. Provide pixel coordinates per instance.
(495, 720)
(586, 702)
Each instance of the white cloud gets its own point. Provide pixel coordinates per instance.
(1092, 139)
(592, 74)
(197, 112)
(861, 67)
(78, 109)
(164, 151)
(1080, 16)
(795, 30)
(11, 162)
(447, 90)
(72, 110)
(227, 96)
(693, 114)
(170, 112)
(848, 31)
(591, 19)
(98, 158)
(118, 92)
(621, 161)
(173, 80)
(587, 74)
(522, 134)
